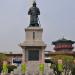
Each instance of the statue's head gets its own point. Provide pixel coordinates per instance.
(34, 4)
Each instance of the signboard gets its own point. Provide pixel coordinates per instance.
(60, 65)
(5, 68)
(41, 67)
(23, 68)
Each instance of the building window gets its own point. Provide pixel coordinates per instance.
(33, 35)
(33, 55)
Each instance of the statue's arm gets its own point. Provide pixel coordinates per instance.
(29, 12)
(38, 11)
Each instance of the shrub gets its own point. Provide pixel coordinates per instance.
(11, 68)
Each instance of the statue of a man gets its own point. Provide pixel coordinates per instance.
(34, 12)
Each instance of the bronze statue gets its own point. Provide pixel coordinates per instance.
(34, 12)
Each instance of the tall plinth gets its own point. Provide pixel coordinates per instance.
(33, 47)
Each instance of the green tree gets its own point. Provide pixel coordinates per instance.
(67, 61)
(3, 57)
(64, 58)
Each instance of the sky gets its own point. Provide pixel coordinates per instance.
(57, 20)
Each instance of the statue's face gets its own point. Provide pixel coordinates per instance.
(34, 5)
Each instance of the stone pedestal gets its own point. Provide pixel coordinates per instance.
(33, 48)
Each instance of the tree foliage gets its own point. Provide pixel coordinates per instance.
(3, 57)
(65, 58)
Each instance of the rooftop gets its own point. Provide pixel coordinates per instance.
(63, 40)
